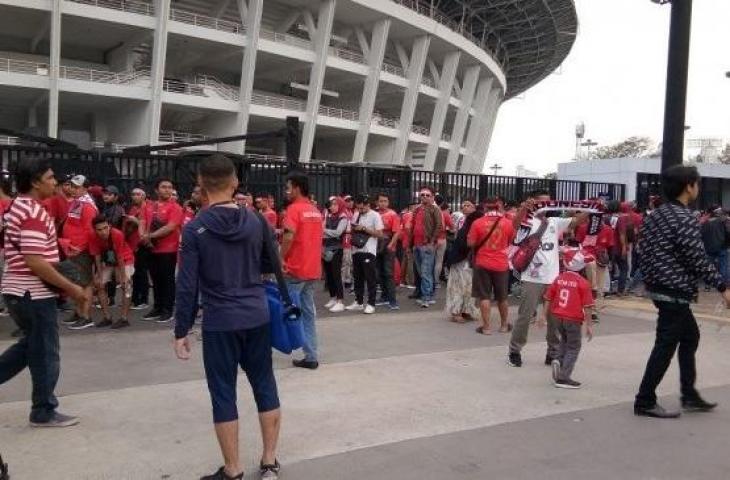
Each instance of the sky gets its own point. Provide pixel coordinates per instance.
(614, 81)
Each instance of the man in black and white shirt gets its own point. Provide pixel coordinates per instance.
(366, 221)
(672, 263)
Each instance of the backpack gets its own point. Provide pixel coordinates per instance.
(528, 248)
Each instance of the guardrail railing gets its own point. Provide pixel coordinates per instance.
(130, 6)
(10, 65)
(285, 38)
(420, 130)
(173, 86)
(8, 140)
(102, 76)
(384, 121)
(346, 54)
(394, 69)
(225, 91)
(170, 136)
(338, 113)
(206, 21)
(260, 98)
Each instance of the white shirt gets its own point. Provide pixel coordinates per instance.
(371, 221)
(545, 265)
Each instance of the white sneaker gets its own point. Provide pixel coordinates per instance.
(338, 307)
(355, 307)
(369, 309)
(331, 303)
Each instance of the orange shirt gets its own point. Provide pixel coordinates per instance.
(303, 261)
(493, 254)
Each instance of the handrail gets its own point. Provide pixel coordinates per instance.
(384, 121)
(10, 65)
(102, 76)
(130, 6)
(173, 86)
(206, 22)
(264, 158)
(114, 147)
(347, 54)
(225, 91)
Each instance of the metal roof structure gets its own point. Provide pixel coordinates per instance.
(529, 38)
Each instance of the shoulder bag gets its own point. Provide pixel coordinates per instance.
(359, 239)
(528, 247)
(287, 331)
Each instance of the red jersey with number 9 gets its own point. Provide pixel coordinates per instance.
(569, 295)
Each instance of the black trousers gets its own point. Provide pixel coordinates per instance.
(385, 263)
(140, 279)
(162, 271)
(363, 269)
(676, 327)
(333, 276)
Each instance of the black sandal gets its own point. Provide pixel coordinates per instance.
(222, 475)
(270, 472)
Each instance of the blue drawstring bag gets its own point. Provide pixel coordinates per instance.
(287, 331)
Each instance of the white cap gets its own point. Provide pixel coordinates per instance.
(79, 180)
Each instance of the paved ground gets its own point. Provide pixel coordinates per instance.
(406, 395)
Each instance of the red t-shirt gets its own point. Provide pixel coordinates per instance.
(391, 222)
(407, 225)
(446, 224)
(133, 238)
(270, 217)
(590, 243)
(121, 248)
(303, 261)
(168, 212)
(78, 229)
(57, 207)
(569, 295)
(493, 254)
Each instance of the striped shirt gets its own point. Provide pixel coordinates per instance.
(29, 230)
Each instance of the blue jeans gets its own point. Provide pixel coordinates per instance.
(37, 349)
(305, 289)
(425, 258)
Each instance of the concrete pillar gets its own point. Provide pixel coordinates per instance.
(252, 21)
(462, 116)
(54, 70)
(446, 86)
(157, 74)
(376, 52)
(413, 75)
(483, 104)
(480, 152)
(321, 43)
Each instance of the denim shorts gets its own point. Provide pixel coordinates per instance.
(223, 353)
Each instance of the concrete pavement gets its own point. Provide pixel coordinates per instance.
(406, 395)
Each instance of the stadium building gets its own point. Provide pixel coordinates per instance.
(403, 82)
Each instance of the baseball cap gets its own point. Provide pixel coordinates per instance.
(574, 259)
(80, 181)
(111, 189)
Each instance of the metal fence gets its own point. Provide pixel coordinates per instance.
(127, 171)
(711, 190)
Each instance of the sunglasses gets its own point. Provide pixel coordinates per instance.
(426, 195)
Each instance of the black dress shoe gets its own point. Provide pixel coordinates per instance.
(310, 364)
(657, 411)
(548, 360)
(697, 405)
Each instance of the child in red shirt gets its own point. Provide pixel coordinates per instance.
(569, 301)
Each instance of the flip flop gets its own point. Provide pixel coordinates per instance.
(482, 331)
(456, 320)
(506, 330)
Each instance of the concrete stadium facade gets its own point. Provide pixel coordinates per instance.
(403, 82)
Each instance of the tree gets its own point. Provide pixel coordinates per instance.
(551, 176)
(725, 155)
(631, 147)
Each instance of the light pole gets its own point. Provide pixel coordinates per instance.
(496, 168)
(675, 102)
(589, 143)
(580, 131)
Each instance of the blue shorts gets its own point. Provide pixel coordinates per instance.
(223, 352)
